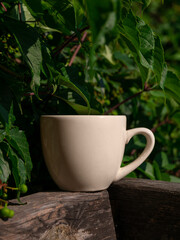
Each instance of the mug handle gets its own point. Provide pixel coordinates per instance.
(123, 171)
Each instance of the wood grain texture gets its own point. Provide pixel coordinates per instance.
(60, 215)
(145, 209)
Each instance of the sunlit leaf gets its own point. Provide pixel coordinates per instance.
(65, 81)
(80, 109)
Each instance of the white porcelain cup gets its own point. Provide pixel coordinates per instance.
(85, 152)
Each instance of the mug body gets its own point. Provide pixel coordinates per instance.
(83, 152)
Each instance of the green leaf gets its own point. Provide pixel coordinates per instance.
(25, 13)
(174, 179)
(129, 25)
(60, 15)
(132, 175)
(65, 81)
(102, 18)
(127, 159)
(2, 135)
(157, 93)
(79, 13)
(4, 168)
(18, 168)
(172, 86)
(107, 53)
(142, 69)
(80, 109)
(159, 65)
(147, 169)
(57, 15)
(47, 29)
(18, 141)
(146, 3)
(165, 177)
(145, 47)
(141, 36)
(138, 142)
(125, 59)
(147, 43)
(35, 8)
(176, 117)
(30, 46)
(163, 162)
(157, 170)
(11, 119)
(3, 115)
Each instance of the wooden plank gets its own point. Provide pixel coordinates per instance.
(60, 215)
(146, 209)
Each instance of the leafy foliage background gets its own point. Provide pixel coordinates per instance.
(89, 57)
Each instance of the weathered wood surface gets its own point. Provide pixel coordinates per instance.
(146, 209)
(60, 215)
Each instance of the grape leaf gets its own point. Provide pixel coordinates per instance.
(80, 109)
(172, 86)
(18, 141)
(102, 18)
(4, 168)
(3, 115)
(18, 168)
(147, 169)
(28, 40)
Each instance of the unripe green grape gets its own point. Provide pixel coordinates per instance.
(11, 213)
(23, 188)
(50, 36)
(4, 196)
(4, 212)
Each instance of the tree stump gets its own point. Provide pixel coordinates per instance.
(60, 216)
(146, 209)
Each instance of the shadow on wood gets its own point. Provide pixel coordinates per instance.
(60, 215)
(142, 210)
(146, 209)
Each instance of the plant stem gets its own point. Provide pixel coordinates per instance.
(146, 89)
(4, 201)
(20, 13)
(167, 120)
(70, 39)
(5, 9)
(12, 188)
(77, 49)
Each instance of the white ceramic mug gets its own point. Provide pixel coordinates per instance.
(84, 152)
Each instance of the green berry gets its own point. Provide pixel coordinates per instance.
(11, 51)
(23, 188)
(4, 196)
(4, 212)
(50, 36)
(11, 213)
